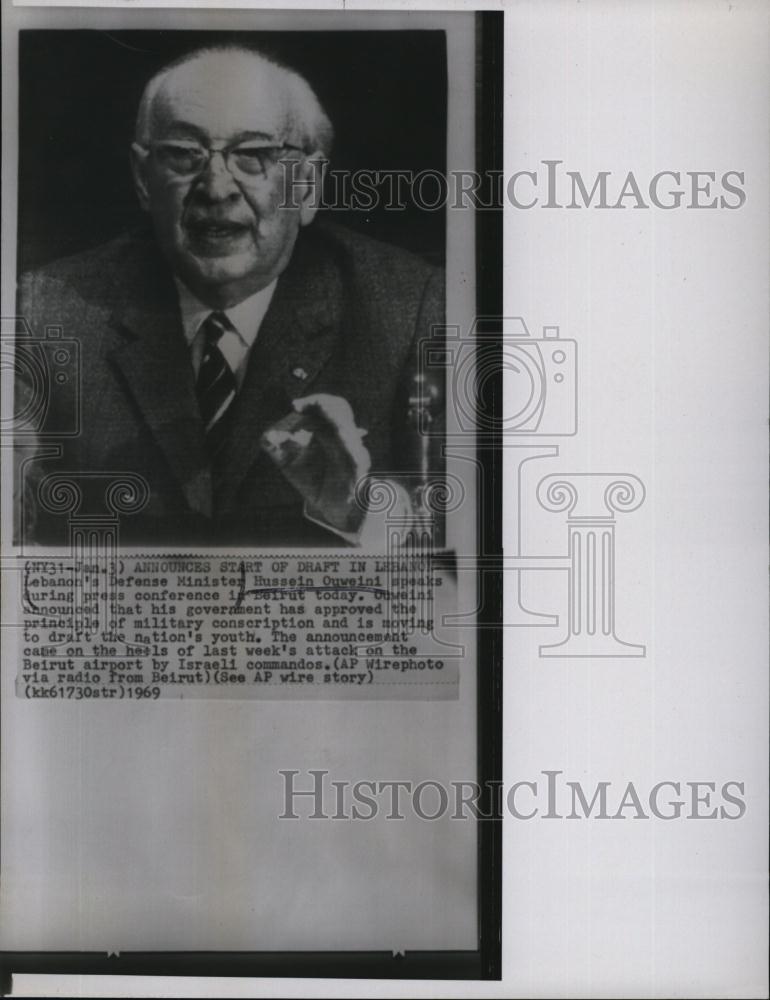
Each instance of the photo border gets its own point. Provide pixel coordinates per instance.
(484, 963)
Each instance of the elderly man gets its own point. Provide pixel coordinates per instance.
(249, 366)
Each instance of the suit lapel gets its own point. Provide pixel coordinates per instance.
(154, 360)
(298, 334)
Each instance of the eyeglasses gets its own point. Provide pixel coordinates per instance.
(248, 161)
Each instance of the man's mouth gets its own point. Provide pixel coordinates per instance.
(209, 236)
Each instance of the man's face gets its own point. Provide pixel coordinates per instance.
(223, 232)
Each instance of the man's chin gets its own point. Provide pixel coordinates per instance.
(218, 278)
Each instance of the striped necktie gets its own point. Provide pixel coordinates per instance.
(216, 385)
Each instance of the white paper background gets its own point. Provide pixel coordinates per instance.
(671, 313)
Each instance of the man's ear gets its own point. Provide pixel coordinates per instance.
(139, 169)
(309, 186)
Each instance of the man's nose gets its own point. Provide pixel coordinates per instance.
(215, 182)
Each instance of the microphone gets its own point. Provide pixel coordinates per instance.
(422, 443)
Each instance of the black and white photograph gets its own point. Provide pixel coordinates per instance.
(206, 229)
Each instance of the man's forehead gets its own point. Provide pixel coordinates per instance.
(223, 94)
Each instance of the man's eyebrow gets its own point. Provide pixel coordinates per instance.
(245, 136)
(176, 127)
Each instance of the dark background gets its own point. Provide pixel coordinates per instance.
(385, 92)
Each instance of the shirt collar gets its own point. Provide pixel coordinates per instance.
(246, 317)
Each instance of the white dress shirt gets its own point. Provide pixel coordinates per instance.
(235, 344)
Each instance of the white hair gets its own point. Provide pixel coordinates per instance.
(308, 118)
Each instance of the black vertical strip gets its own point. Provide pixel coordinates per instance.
(489, 303)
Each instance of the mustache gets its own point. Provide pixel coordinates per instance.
(200, 213)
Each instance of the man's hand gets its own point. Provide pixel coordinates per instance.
(321, 452)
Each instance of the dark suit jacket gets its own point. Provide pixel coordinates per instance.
(344, 319)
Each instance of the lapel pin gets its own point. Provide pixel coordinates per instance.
(299, 373)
